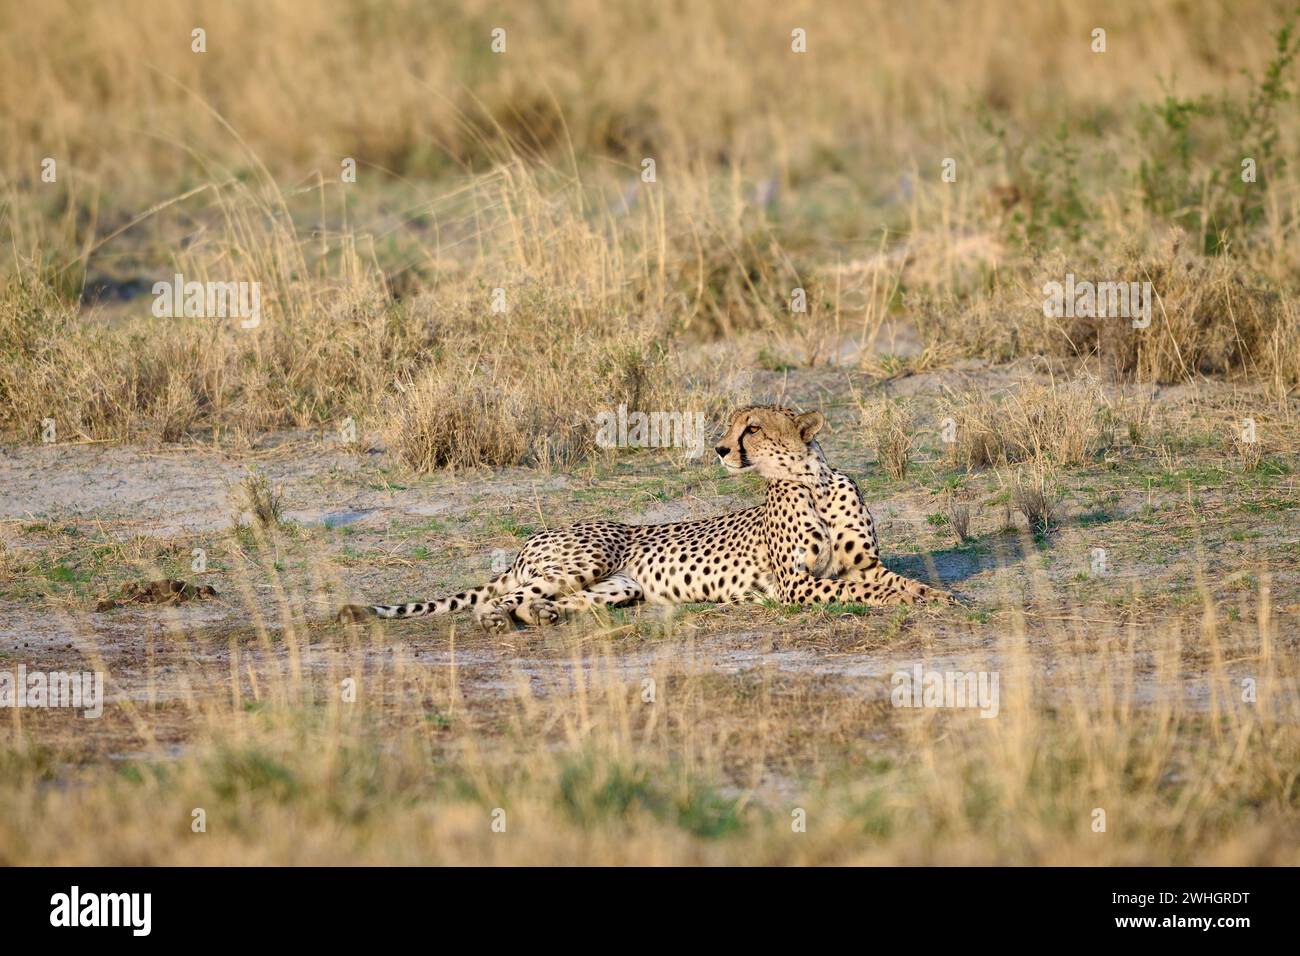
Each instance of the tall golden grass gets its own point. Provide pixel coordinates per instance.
(414, 87)
(520, 171)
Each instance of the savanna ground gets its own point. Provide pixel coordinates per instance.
(1117, 505)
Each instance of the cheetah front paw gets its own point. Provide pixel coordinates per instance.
(492, 618)
(541, 611)
(900, 597)
(925, 592)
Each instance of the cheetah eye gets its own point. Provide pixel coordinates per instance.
(751, 429)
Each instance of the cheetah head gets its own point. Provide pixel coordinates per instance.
(773, 441)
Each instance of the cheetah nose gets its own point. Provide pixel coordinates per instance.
(722, 450)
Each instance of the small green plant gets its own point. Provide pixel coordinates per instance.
(1058, 202)
(1220, 199)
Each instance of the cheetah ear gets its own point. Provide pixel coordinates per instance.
(809, 424)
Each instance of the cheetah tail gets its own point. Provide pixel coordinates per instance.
(355, 613)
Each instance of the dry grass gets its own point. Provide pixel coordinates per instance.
(1060, 421)
(1034, 496)
(958, 512)
(333, 347)
(1248, 448)
(304, 745)
(536, 155)
(890, 428)
(257, 497)
(413, 87)
(499, 274)
(1210, 315)
(1126, 698)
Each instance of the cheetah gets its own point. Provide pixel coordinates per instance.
(842, 544)
(812, 541)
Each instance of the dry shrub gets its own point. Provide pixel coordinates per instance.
(977, 429)
(739, 278)
(890, 429)
(442, 420)
(257, 497)
(1059, 421)
(536, 405)
(176, 411)
(1210, 315)
(164, 378)
(1134, 412)
(958, 511)
(1247, 448)
(998, 323)
(1034, 497)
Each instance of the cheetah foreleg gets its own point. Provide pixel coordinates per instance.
(614, 590)
(898, 588)
(886, 589)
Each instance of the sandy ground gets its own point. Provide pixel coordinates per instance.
(365, 519)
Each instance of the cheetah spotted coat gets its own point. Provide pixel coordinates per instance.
(811, 542)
